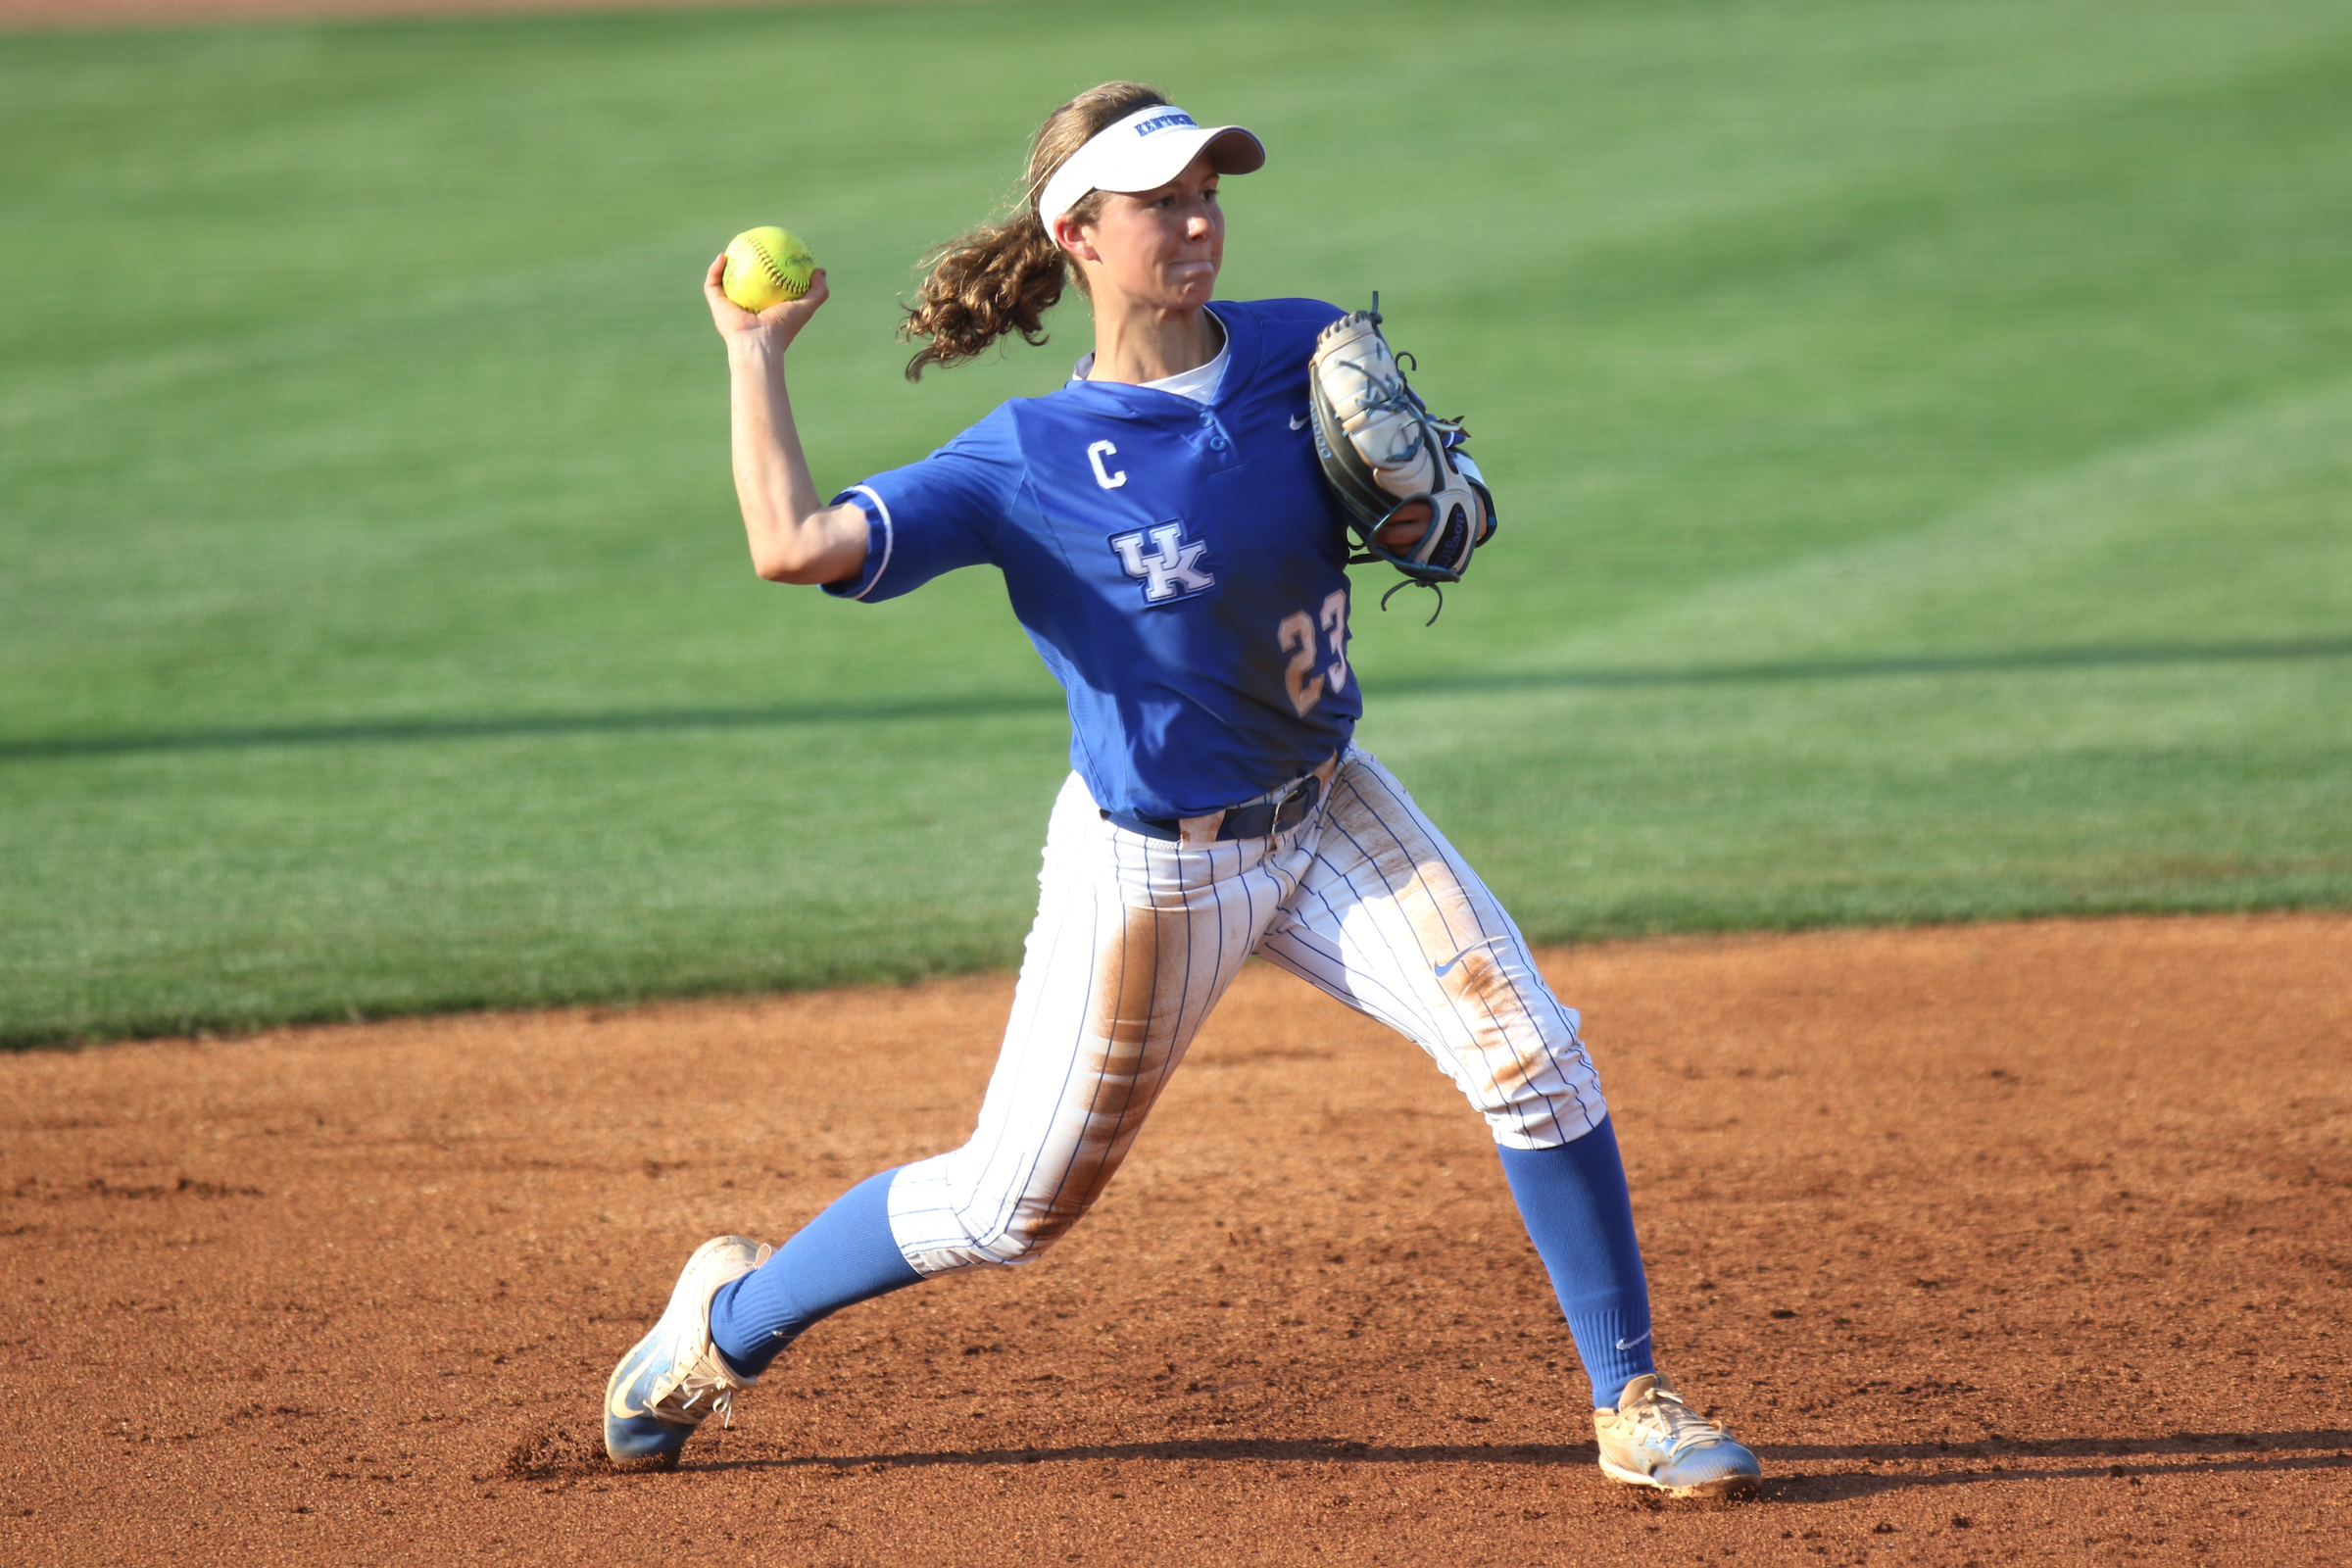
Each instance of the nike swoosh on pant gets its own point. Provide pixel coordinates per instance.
(1446, 967)
(1626, 1345)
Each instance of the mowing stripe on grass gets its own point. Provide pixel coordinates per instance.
(1921, 434)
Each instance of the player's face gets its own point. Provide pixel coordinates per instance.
(1161, 248)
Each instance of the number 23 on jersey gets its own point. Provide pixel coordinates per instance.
(1298, 638)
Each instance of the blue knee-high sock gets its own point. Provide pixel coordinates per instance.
(1580, 1218)
(842, 1256)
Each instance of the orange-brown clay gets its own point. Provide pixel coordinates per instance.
(1999, 1244)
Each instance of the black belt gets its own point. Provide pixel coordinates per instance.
(1241, 821)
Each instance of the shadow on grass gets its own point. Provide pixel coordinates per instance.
(394, 731)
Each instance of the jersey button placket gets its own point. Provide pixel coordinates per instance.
(1218, 441)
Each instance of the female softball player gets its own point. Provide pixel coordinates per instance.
(1169, 542)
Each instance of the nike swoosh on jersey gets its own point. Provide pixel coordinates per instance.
(1626, 1345)
(1446, 967)
(1298, 421)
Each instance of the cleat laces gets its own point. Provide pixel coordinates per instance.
(1681, 1428)
(700, 1395)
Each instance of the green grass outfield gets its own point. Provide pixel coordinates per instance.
(1924, 435)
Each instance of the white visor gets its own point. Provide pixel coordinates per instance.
(1144, 152)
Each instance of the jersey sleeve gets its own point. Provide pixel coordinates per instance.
(932, 517)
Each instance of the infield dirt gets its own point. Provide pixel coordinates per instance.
(1998, 1242)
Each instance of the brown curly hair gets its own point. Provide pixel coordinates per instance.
(1004, 276)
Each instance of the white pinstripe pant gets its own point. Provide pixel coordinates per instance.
(1136, 939)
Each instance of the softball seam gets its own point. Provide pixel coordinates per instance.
(775, 274)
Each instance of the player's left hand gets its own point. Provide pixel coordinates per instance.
(1405, 531)
(1403, 490)
(780, 323)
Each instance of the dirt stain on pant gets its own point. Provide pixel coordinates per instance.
(1463, 948)
(1129, 1048)
(1511, 1043)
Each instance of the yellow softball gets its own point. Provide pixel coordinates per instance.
(765, 266)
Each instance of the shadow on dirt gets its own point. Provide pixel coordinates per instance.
(2128, 1459)
(1996, 1447)
(1268, 1451)
(2125, 1459)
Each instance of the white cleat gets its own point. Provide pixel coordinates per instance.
(674, 1378)
(1653, 1439)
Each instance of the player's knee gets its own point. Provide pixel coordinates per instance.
(957, 1210)
(1030, 1230)
(1546, 1125)
(1012, 1249)
(997, 1248)
(1538, 1108)
(1020, 1238)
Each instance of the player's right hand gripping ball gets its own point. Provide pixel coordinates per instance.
(767, 267)
(1380, 451)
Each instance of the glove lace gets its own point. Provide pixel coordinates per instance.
(1388, 395)
(1410, 582)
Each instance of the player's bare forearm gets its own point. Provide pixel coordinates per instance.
(793, 537)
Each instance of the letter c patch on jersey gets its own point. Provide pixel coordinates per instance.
(1173, 569)
(1103, 475)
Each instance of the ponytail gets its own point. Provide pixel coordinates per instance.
(999, 278)
(1003, 277)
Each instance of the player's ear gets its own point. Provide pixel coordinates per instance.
(1076, 238)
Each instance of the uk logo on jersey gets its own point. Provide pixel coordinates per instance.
(1172, 570)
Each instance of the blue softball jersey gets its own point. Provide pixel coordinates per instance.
(1180, 566)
